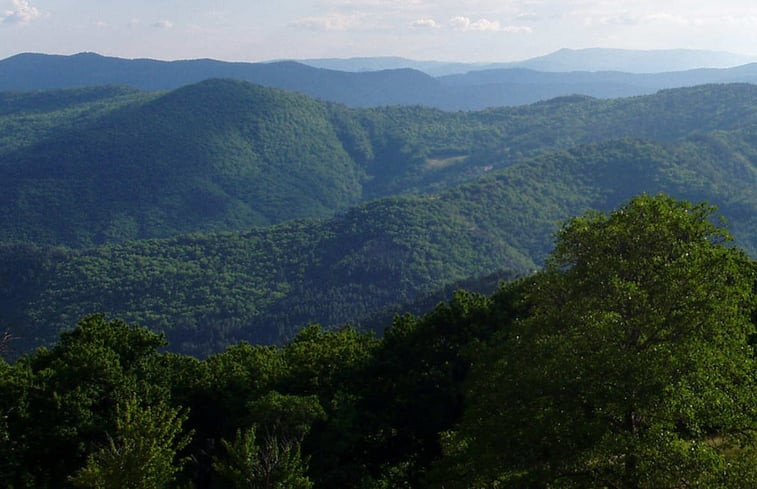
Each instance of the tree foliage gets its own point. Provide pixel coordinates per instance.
(208, 291)
(142, 454)
(276, 463)
(628, 362)
(225, 155)
(632, 369)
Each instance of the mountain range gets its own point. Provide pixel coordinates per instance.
(223, 210)
(475, 89)
(223, 155)
(563, 60)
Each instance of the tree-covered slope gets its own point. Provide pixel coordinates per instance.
(91, 166)
(261, 285)
(218, 155)
(628, 362)
(27, 118)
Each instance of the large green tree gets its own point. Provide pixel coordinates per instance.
(143, 452)
(632, 369)
(57, 405)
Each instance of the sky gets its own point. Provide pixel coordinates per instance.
(444, 30)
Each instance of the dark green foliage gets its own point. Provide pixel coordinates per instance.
(528, 386)
(272, 464)
(208, 291)
(441, 396)
(631, 369)
(29, 117)
(414, 387)
(59, 404)
(217, 156)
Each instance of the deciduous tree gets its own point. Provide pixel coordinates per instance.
(632, 370)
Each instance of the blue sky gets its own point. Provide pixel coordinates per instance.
(476, 30)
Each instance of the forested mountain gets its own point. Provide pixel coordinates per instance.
(498, 86)
(224, 155)
(621, 353)
(603, 84)
(262, 285)
(628, 361)
(219, 155)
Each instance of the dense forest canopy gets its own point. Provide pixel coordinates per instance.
(399, 202)
(224, 155)
(207, 291)
(225, 285)
(630, 361)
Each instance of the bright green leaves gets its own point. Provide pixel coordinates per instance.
(632, 369)
(59, 404)
(142, 453)
(274, 463)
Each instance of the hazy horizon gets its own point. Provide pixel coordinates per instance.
(473, 31)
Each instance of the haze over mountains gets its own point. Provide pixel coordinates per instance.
(564, 60)
(580, 72)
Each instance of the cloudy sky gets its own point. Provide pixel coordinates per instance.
(475, 30)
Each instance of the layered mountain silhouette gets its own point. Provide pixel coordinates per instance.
(473, 90)
(563, 60)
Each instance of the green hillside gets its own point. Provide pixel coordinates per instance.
(628, 361)
(215, 156)
(262, 285)
(92, 166)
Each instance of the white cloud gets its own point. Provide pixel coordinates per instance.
(747, 20)
(461, 23)
(335, 22)
(22, 13)
(517, 29)
(637, 19)
(485, 25)
(426, 24)
(378, 4)
(672, 19)
(621, 19)
(163, 24)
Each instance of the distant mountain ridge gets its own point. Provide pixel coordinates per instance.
(474, 90)
(563, 60)
(635, 61)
